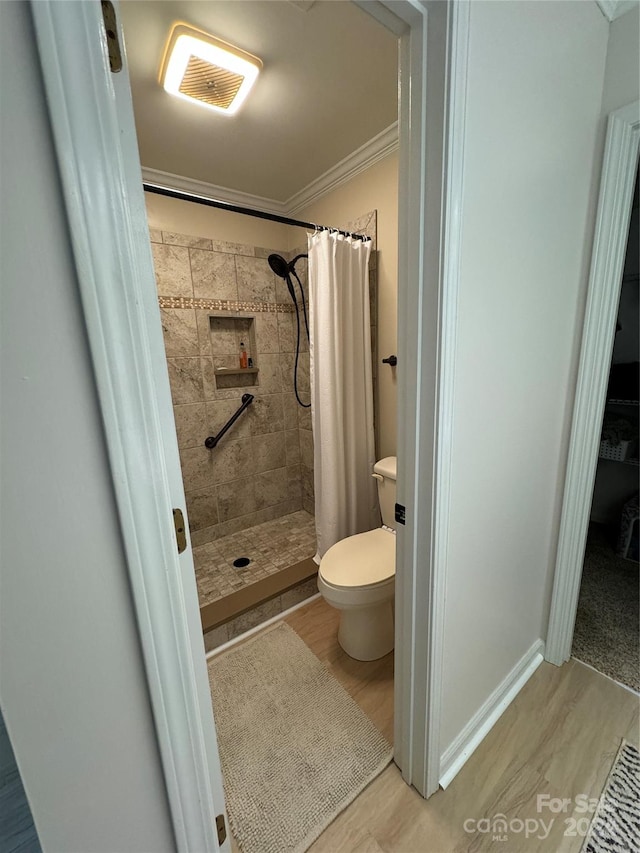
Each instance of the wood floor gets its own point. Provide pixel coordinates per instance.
(558, 738)
(369, 683)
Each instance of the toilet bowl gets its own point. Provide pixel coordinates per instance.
(357, 577)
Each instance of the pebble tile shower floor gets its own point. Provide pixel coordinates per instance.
(270, 547)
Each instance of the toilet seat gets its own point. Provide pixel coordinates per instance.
(363, 561)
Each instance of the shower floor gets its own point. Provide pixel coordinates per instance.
(270, 547)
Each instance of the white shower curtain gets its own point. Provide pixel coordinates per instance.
(341, 388)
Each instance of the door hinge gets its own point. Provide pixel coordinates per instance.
(181, 536)
(222, 829)
(111, 29)
(400, 513)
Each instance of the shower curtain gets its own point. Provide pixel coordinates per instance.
(341, 388)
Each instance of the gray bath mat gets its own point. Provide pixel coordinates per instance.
(616, 824)
(295, 748)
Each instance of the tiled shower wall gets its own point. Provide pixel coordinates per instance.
(254, 474)
(263, 467)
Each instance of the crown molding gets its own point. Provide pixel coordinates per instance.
(613, 9)
(607, 7)
(203, 188)
(363, 158)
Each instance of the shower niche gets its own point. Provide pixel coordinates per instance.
(228, 334)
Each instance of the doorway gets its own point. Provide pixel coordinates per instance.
(607, 631)
(247, 467)
(612, 228)
(93, 130)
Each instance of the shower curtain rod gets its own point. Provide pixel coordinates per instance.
(247, 211)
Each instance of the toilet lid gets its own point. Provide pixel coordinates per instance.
(360, 560)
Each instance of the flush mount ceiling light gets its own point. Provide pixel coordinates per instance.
(202, 69)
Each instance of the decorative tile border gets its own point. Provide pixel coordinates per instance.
(225, 305)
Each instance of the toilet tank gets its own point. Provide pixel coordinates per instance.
(386, 480)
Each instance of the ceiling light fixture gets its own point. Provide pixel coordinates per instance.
(205, 70)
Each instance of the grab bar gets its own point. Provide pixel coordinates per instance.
(212, 440)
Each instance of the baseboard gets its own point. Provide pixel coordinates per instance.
(277, 618)
(488, 714)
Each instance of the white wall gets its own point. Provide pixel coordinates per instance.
(622, 79)
(535, 85)
(72, 686)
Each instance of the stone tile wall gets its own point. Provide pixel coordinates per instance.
(263, 468)
(254, 474)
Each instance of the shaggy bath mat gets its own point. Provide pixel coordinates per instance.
(616, 824)
(295, 748)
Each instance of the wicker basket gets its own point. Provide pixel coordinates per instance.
(617, 452)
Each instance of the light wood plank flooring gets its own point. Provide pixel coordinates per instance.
(559, 737)
(369, 683)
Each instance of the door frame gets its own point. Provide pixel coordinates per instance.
(91, 116)
(107, 223)
(605, 281)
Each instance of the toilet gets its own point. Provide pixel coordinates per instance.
(357, 577)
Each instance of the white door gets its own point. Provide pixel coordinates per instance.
(94, 132)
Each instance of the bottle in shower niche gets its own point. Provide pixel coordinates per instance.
(244, 358)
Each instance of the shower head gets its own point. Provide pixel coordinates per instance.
(279, 265)
(282, 267)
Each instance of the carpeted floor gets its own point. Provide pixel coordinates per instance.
(607, 632)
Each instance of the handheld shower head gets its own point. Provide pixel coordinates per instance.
(282, 267)
(279, 265)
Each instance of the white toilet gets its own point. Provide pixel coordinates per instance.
(357, 577)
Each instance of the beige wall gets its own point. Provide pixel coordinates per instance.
(184, 217)
(376, 188)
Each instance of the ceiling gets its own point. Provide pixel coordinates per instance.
(328, 85)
